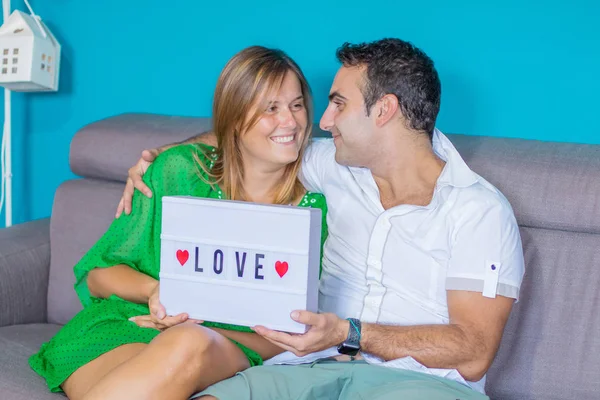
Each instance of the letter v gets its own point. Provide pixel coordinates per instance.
(240, 268)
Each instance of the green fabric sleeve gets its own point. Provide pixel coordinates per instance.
(134, 239)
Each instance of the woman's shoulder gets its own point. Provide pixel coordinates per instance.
(183, 157)
(186, 152)
(176, 170)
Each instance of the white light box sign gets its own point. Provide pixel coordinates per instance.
(239, 263)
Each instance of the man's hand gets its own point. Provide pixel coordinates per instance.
(326, 330)
(158, 318)
(135, 181)
(136, 173)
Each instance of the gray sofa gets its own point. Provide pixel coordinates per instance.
(550, 348)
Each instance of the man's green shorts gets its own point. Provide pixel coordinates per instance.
(337, 380)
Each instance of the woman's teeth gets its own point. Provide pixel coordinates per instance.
(283, 139)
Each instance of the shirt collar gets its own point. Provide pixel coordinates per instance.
(456, 172)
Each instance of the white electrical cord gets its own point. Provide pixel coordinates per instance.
(29, 7)
(36, 18)
(5, 161)
(2, 166)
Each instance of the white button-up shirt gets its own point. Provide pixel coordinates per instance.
(394, 266)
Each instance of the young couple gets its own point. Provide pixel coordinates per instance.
(421, 266)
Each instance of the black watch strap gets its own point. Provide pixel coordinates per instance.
(351, 345)
(354, 332)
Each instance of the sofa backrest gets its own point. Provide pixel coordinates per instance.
(551, 346)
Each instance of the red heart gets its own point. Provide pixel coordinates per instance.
(281, 268)
(182, 256)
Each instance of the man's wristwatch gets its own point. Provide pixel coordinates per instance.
(351, 346)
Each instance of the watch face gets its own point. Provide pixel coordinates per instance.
(348, 349)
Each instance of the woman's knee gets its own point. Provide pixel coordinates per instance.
(192, 350)
(188, 342)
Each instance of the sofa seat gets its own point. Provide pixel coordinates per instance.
(17, 344)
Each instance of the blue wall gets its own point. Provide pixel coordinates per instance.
(519, 69)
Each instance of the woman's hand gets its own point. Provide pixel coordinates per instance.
(158, 318)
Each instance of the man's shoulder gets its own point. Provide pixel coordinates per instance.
(320, 148)
(318, 164)
(482, 197)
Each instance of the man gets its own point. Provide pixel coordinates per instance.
(423, 260)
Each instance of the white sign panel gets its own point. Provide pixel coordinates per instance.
(239, 263)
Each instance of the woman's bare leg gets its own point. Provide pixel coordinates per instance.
(80, 381)
(183, 360)
(253, 341)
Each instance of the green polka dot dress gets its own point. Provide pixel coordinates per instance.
(134, 240)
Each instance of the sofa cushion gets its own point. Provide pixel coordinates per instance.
(551, 344)
(17, 344)
(107, 148)
(24, 267)
(83, 210)
(549, 185)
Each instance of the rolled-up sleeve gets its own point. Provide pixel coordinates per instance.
(487, 253)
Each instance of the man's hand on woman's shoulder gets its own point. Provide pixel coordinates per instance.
(136, 173)
(135, 181)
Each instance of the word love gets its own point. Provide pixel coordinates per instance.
(218, 263)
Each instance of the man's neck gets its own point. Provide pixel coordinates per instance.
(407, 172)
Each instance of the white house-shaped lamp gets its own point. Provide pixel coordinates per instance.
(29, 55)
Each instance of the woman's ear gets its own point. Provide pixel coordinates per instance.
(386, 108)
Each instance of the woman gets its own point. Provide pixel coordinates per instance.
(121, 345)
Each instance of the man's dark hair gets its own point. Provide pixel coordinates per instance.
(396, 67)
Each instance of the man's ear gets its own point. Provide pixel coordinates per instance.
(385, 109)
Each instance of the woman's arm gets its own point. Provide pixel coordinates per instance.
(123, 281)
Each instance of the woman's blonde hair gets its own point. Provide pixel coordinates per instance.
(247, 77)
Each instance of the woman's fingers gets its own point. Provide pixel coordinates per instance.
(170, 321)
(144, 321)
(151, 321)
(156, 308)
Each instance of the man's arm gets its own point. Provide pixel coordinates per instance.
(468, 343)
(486, 249)
(136, 173)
